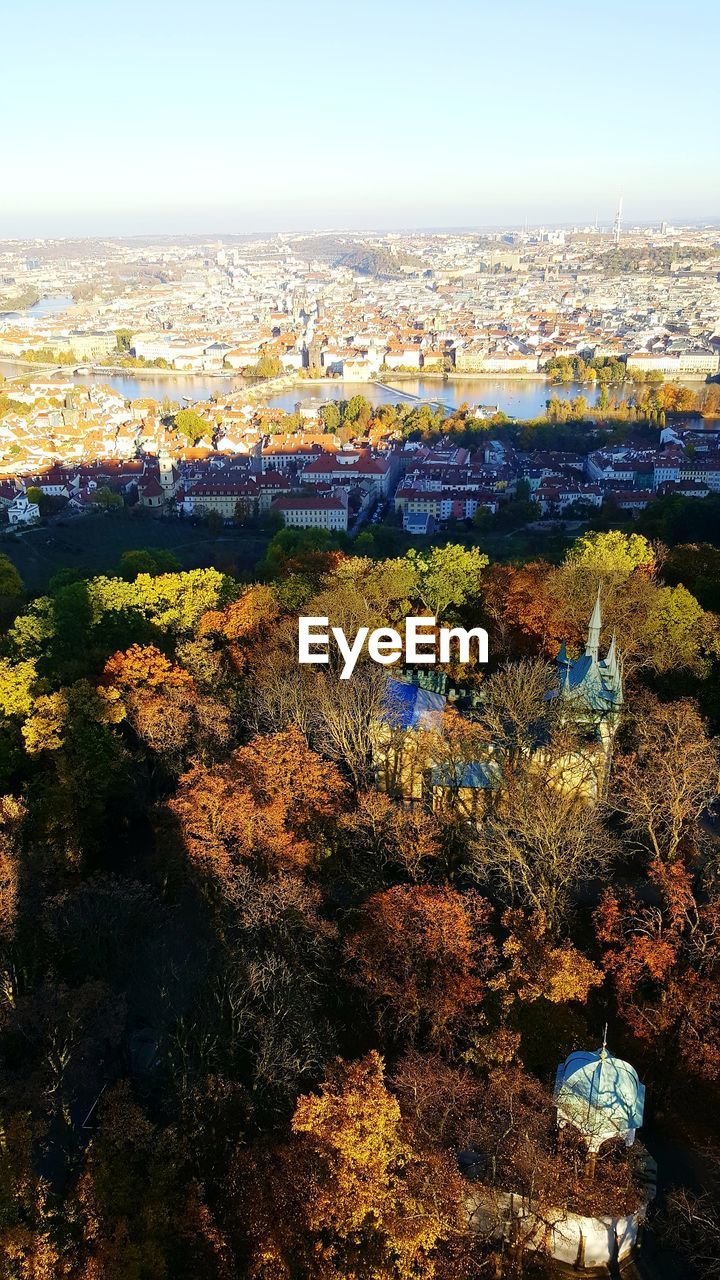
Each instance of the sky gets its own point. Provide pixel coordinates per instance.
(221, 116)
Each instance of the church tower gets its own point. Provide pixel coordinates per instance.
(594, 687)
(168, 474)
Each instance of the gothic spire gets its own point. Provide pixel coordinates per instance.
(592, 647)
(611, 658)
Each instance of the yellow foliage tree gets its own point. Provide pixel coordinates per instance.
(375, 1204)
(540, 969)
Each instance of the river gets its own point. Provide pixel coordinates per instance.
(518, 397)
(53, 305)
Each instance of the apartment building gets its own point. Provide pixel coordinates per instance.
(313, 512)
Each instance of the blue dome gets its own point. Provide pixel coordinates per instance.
(599, 1095)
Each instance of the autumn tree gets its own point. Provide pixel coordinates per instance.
(518, 711)
(380, 839)
(538, 967)
(346, 716)
(268, 804)
(71, 1035)
(28, 1250)
(164, 706)
(373, 1198)
(666, 776)
(664, 960)
(262, 1016)
(690, 1220)
(363, 592)
(440, 1100)
(279, 693)
(660, 628)
(518, 1149)
(142, 1212)
(697, 567)
(525, 614)
(538, 844)
(12, 814)
(307, 553)
(422, 955)
(242, 621)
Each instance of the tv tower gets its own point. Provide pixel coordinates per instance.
(618, 223)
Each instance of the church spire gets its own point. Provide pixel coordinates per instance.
(611, 659)
(592, 647)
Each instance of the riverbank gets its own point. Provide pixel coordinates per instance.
(457, 375)
(285, 380)
(112, 370)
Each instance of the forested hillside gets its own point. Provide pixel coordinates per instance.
(252, 1005)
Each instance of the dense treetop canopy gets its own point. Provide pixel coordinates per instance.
(253, 1004)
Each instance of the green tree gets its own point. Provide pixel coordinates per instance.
(612, 554)
(151, 560)
(33, 494)
(189, 424)
(267, 367)
(330, 416)
(678, 632)
(365, 542)
(697, 567)
(447, 577)
(357, 410)
(123, 339)
(12, 591)
(482, 518)
(105, 498)
(303, 549)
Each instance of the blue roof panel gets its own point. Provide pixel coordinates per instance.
(409, 707)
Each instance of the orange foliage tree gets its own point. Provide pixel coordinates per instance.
(423, 955)
(664, 960)
(12, 813)
(242, 620)
(27, 1250)
(163, 704)
(532, 617)
(269, 804)
(539, 967)
(142, 1212)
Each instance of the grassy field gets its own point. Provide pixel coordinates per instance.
(93, 544)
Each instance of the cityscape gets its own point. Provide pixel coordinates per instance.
(271, 341)
(360, 643)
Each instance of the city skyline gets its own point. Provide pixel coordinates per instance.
(172, 122)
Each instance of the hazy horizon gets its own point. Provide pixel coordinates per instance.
(210, 233)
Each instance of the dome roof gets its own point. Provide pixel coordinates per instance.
(599, 1095)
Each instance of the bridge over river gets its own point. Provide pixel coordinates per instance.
(408, 395)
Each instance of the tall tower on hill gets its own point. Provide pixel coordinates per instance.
(618, 223)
